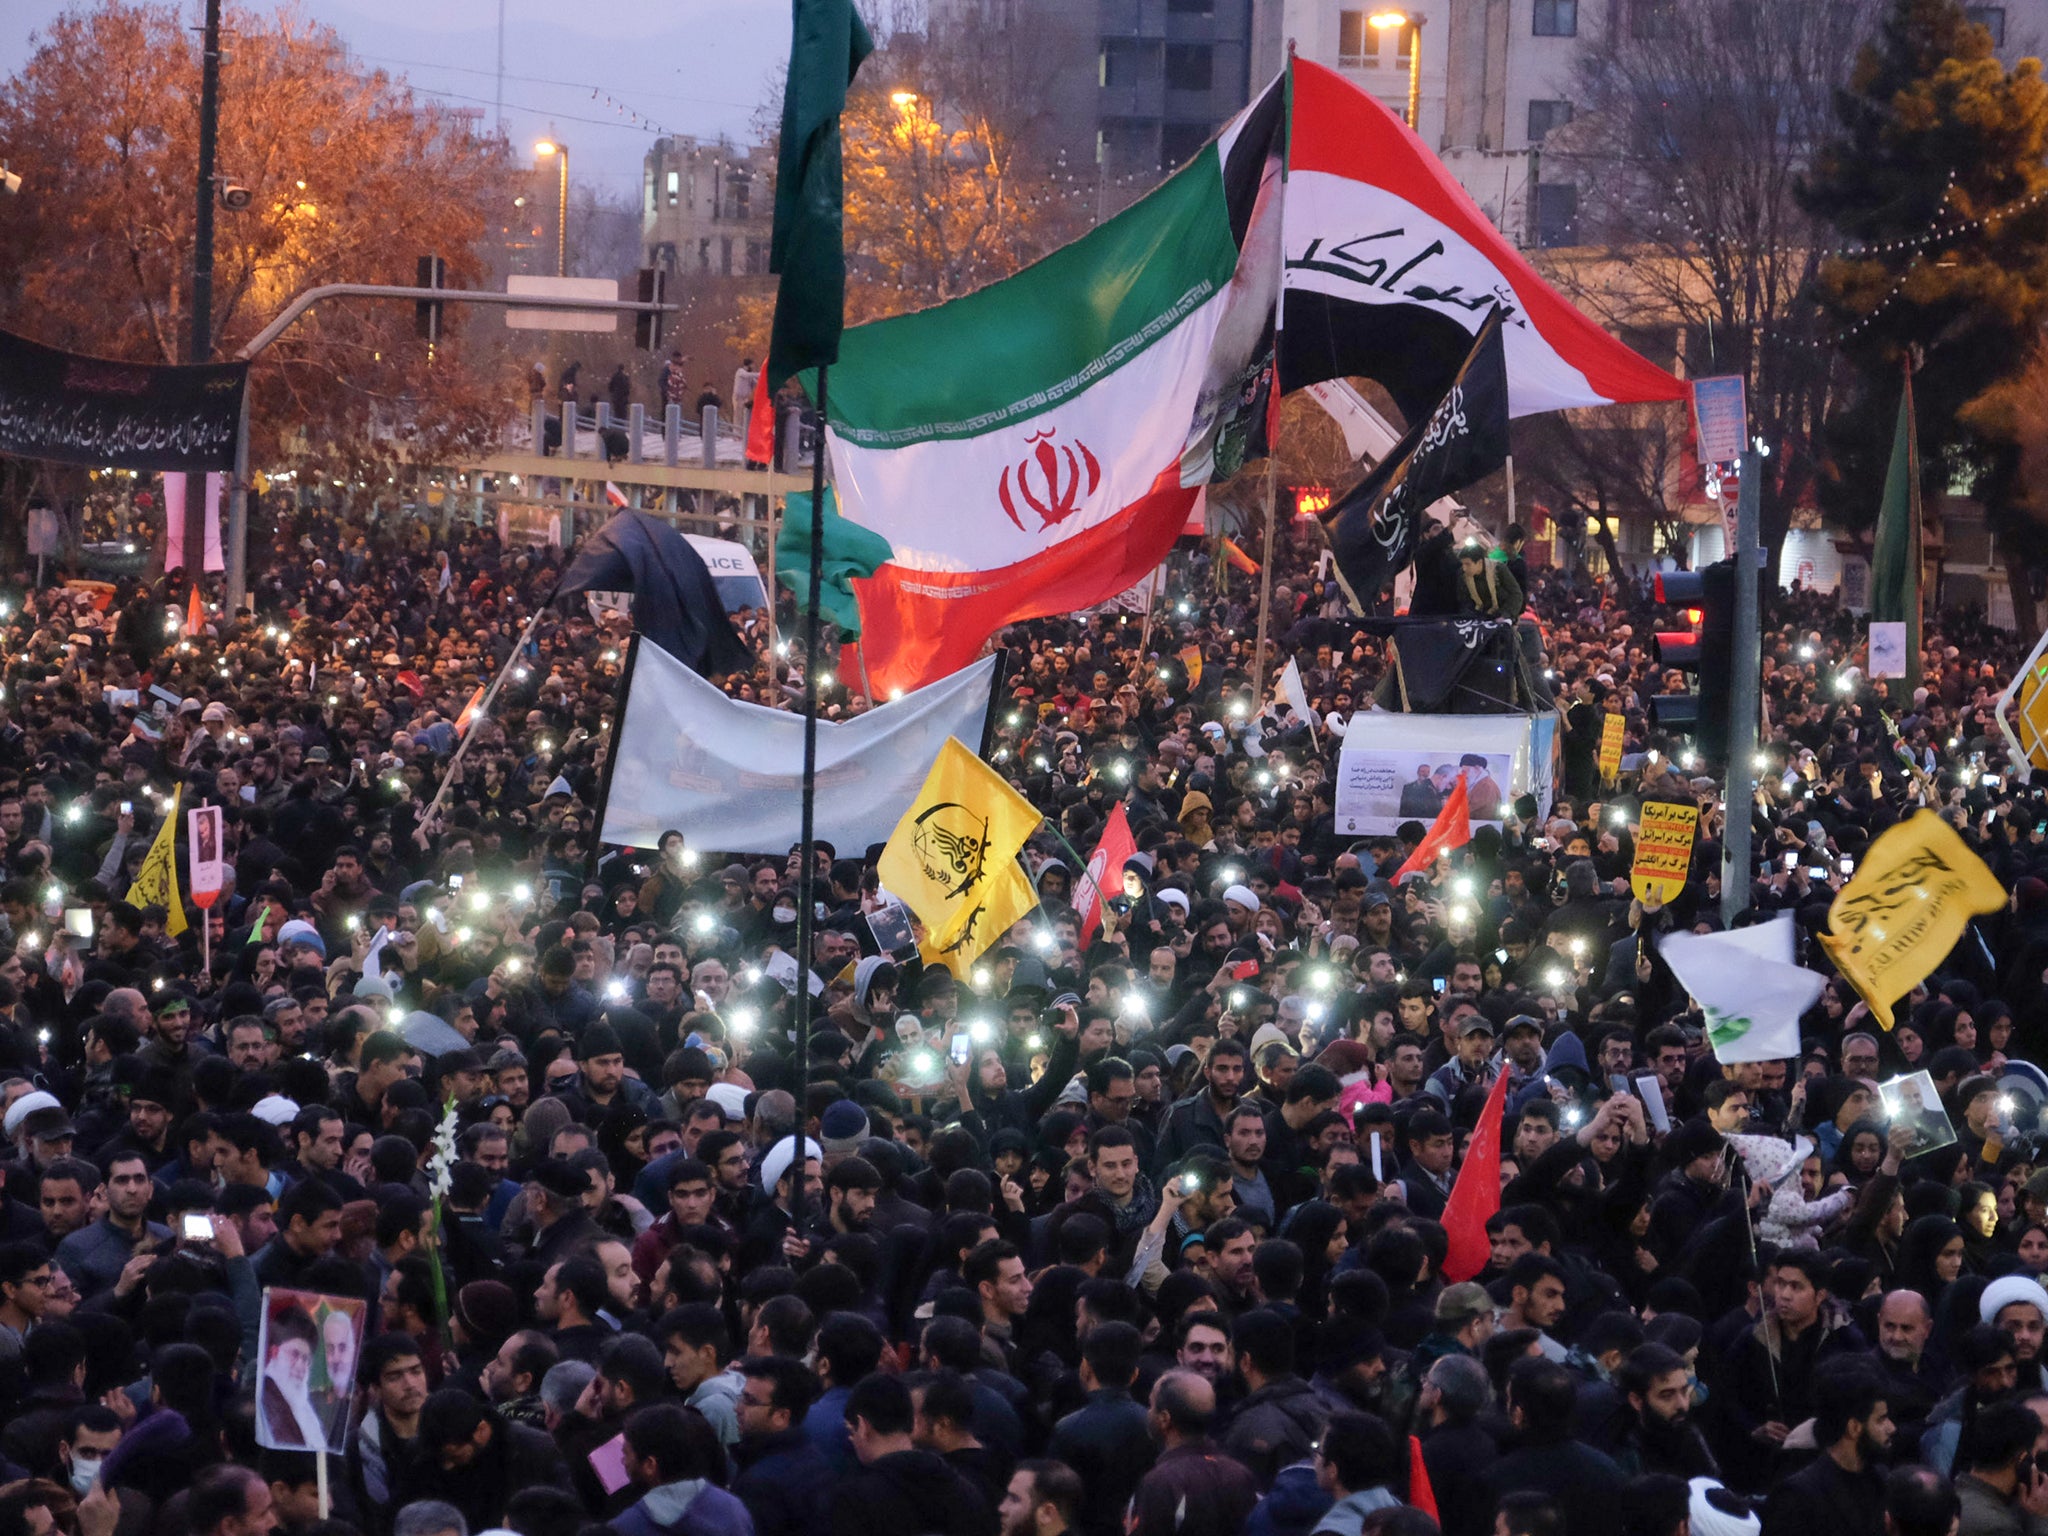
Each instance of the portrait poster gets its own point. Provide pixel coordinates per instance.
(307, 1345)
(1913, 1101)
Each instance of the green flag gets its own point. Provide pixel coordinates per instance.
(850, 551)
(1895, 562)
(808, 248)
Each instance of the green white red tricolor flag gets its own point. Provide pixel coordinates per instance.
(1036, 447)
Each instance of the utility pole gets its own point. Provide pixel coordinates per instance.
(1744, 695)
(199, 345)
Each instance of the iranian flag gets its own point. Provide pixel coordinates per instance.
(1034, 448)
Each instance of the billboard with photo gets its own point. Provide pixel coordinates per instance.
(1397, 768)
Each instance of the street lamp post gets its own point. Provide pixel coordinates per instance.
(560, 151)
(1387, 21)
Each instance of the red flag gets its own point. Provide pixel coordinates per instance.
(1105, 868)
(761, 422)
(195, 615)
(1420, 1495)
(1476, 1195)
(616, 496)
(1239, 558)
(469, 710)
(1451, 829)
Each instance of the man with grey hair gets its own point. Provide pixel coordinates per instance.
(774, 1117)
(561, 1388)
(1859, 1056)
(429, 1517)
(1455, 1391)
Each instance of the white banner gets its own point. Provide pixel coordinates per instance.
(728, 775)
(1747, 986)
(1397, 767)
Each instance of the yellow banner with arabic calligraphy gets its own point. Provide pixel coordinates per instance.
(964, 826)
(1916, 891)
(1004, 900)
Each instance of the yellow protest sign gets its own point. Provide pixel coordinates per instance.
(952, 844)
(1610, 746)
(1005, 899)
(1917, 890)
(1663, 849)
(156, 883)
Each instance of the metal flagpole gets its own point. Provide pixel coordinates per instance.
(484, 705)
(1272, 425)
(1738, 869)
(807, 874)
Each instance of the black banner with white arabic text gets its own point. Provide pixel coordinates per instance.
(1376, 527)
(92, 410)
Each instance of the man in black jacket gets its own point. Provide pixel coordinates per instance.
(1545, 1459)
(474, 1459)
(1841, 1492)
(1107, 1440)
(897, 1487)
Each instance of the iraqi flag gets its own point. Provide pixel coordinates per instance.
(1391, 269)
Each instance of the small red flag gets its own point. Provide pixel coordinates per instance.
(1105, 871)
(195, 615)
(469, 710)
(1420, 1494)
(761, 422)
(1476, 1195)
(1239, 558)
(1451, 829)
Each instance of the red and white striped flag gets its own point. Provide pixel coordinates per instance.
(615, 496)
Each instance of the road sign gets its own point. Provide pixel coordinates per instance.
(595, 321)
(2023, 708)
(1721, 418)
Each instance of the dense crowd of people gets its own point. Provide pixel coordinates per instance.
(1132, 1227)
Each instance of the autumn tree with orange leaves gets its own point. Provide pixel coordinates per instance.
(352, 178)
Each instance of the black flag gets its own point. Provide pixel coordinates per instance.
(675, 601)
(1376, 526)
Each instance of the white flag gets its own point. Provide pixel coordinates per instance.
(729, 775)
(1747, 986)
(1297, 696)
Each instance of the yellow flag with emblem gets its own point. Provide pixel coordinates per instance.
(948, 851)
(1008, 897)
(1917, 889)
(156, 883)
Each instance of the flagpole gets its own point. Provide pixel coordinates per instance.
(1916, 549)
(484, 705)
(807, 874)
(611, 754)
(1272, 426)
(205, 911)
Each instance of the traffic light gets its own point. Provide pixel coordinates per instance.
(648, 324)
(1708, 596)
(426, 313)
